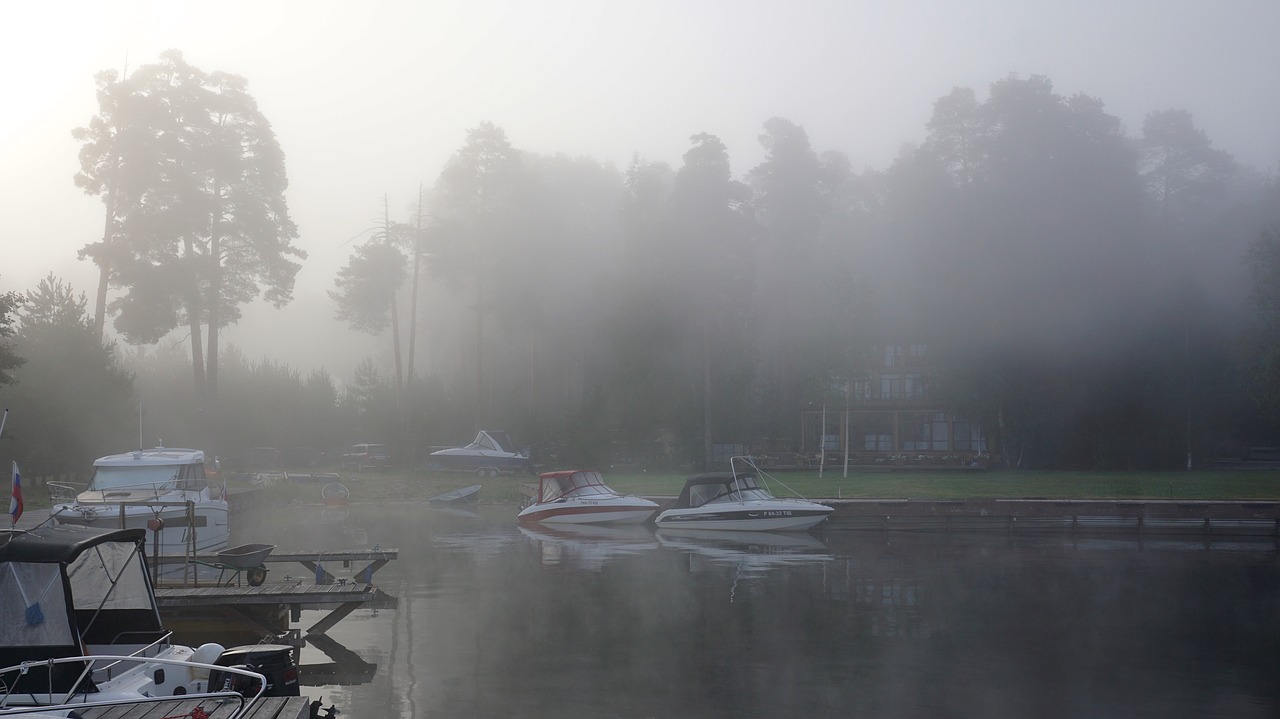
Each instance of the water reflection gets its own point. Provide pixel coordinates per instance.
(587, 547)
(750, 553)
(846, 624)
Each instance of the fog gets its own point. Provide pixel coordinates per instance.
(759, 178)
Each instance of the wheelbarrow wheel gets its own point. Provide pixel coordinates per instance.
(256, 576)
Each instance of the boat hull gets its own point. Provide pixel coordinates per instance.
(747, 517)
(458, 461)
(210, 522)
(589, 512)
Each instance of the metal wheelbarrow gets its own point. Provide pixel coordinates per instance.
(247, 558)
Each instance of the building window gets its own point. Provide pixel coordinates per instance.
(890, 386)
(926, 431)
(969, 437)
(915, 355)
(876, 432)
(893, 355)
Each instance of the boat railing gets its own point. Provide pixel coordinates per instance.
(89, 660)
(144, 652)
(763, 476)
(63, 491)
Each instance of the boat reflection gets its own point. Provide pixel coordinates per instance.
(748, 552)
(587, 546)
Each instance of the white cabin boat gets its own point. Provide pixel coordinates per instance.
(165, 490)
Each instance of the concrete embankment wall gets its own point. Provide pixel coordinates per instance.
(1142, 516)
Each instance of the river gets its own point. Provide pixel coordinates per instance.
(496, 620)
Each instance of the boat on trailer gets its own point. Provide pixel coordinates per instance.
(582, 497)
(79, 626)
(165, 491)
(738, 500)
(490, 454)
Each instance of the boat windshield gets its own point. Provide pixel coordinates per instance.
(577, 485)
(165, 476)
(494, 441)
(736, 489)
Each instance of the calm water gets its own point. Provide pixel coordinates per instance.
(498, 621)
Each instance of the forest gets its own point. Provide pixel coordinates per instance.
(1092, 296)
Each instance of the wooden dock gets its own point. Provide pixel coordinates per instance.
(234, 602)
(254, 606)
(176, 708)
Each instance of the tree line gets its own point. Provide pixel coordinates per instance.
(1091, 298)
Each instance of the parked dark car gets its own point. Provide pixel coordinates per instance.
(366, 456)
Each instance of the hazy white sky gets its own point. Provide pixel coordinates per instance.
(368, 98)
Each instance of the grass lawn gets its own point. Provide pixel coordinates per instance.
(1240, 485)
(416, 486)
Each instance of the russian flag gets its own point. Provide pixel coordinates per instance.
(15, 498)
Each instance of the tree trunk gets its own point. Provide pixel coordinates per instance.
(413, 291)
(214, 300)
(707, 433)
(193, 325)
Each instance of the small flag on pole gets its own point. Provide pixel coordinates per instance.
(15, 496)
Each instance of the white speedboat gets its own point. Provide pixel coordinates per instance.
(737, 501)
(491, 454)
(79, 625)
(581, 497)
(164, 490)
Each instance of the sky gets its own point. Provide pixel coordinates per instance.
(371, 98)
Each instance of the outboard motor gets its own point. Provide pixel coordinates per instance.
(273, 661)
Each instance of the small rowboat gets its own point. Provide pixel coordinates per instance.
(335, 493)
(457, 496)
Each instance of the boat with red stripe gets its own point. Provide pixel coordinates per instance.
(580, 496)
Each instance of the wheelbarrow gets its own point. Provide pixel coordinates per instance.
(247, 558)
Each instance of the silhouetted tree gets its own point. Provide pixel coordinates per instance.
(1181, 168)
(367, 285)
(203, 222)
(711, 217)
(477, 192)
(73, 396)
(9, 359)
(1264, 341)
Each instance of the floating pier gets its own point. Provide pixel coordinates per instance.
(271, 607)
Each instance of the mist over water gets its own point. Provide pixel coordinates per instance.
(498, 620)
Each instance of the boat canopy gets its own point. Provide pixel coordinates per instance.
(495, 440)
(719, 487)
(65, 586)
(573, 483)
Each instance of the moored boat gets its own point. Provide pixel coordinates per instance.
(79, 625)
(582, 497)
(736, 500)
(164, 490)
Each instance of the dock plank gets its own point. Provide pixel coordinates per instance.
(295, 593)
(298, 707)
